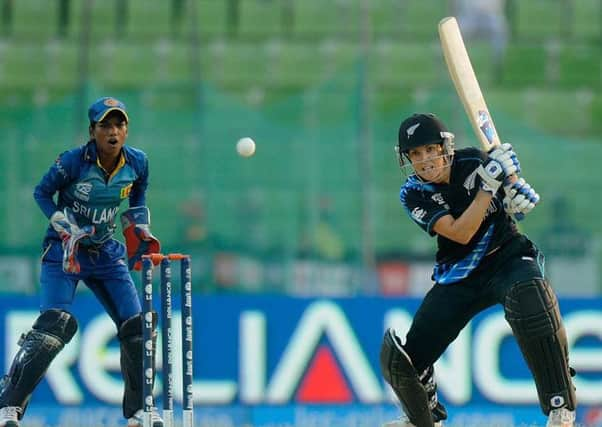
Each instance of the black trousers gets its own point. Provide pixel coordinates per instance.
(446, 309)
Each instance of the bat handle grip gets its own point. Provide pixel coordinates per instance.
(511, 179)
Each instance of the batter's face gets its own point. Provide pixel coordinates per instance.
(430, 163)
(110, 134)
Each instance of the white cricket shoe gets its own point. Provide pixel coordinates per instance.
(404, 422)
(137, 420)
(561, 417)
(9, 416)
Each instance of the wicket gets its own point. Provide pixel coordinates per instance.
(167, 338)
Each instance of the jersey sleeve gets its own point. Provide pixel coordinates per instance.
(423, 210)
(138, 193)
(60, 174)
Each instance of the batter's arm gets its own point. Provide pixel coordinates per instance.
(462, 229)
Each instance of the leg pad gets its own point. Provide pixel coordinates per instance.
(130, 337)
(49, 334)
(399, 372)
(532, 311)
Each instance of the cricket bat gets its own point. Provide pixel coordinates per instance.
(467, 86)
(466, 83)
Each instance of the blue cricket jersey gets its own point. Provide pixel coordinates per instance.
(93, 195)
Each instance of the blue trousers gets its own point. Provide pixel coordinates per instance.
(103, 270)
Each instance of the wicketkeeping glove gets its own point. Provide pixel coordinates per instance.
(506, 157)
(138, 238)
(520, 198)
(71, 234)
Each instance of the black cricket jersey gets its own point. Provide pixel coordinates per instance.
(426, 202)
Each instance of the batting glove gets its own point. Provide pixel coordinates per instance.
(506, 157)
(492, 175)
(520, 198)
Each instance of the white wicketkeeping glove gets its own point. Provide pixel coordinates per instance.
(66, 225)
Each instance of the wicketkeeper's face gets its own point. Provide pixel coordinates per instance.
(110, 133)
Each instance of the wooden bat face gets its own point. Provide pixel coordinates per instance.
(466, 83)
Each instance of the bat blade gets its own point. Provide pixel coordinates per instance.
(466, 83)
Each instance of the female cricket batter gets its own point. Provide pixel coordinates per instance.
(481, 260)
(91, 181)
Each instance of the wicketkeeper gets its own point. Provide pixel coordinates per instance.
(90, 183)
(465, 199)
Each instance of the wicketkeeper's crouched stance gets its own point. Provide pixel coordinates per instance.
(463, 197)
(91, 182)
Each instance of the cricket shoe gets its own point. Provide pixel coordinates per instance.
(561, 417)
(404, 422)
(9, 416)
(137, 420)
